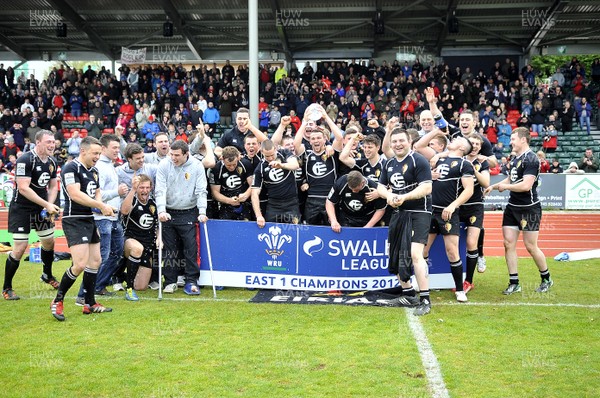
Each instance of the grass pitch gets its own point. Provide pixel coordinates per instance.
(525, 345)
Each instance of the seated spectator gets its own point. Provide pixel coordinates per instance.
(573, 169)
(498, 150)
(550, 140)
(9, 166)
(544, 164)
(149, 148)
(505, 165)
(555, 167)
(10, 148)
(504, 132)
(491, 131)
(151, 128)
(589, 163)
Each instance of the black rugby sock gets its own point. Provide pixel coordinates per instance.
(47, 257)
(10, 269)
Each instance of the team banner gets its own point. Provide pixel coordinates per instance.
(301, 257)
(137, 56)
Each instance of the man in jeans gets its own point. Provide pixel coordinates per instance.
(109, 227)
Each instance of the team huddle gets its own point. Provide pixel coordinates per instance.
(419, 183)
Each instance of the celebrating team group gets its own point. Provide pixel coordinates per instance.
(421, 183)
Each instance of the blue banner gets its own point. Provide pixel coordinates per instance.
(302, 257)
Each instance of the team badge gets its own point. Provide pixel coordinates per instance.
(453, 164)
(523, 223)
(51, 168)
(448, 226)
(519, 164)
(404, 168)
(152, 209)
(95, 177)
(377, 173)
(186, 176)
(472, 219)
(477, 167)
(324, 157)
(239, 170)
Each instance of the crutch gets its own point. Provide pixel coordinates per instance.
(210, 265)
(160, 247)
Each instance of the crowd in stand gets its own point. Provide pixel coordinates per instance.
(139, 102)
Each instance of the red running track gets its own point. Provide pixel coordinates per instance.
(559, 232)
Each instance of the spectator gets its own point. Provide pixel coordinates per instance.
(18, 134)
(32, 130)
(150, 129)
(566, 116)
(538, 118)
(574, 169)
(491, 132)
(211, 115)
(504, 132)
(76, 103)
(94, 127)
(127, 111)
(584, 113)
(555, 167)
(73, 144)
(150, 148)
(589, 162)
(550, 140)
(544, 164)
(60, 153)
(498, 150)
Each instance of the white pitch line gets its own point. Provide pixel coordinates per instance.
(483, 304)
(430, 362)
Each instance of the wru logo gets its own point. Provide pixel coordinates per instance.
(274, 241)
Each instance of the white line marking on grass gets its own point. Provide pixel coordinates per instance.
(430, 362)
(482, 304)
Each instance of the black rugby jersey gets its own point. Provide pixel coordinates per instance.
(140, 224)
(372, 172)
(277, 184)
(477, 197)
(233, 183)
(353, 204)
(75, 172)
(448, 186)
(29, 165)
(321, 171)
(525, 164)
(403, 176)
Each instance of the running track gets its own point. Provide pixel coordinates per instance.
(559, 232)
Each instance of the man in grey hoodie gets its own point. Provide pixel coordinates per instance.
(181, 201)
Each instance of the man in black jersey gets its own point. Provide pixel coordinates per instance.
(370, 164)
(230, 182)
(82, 194)
(37, 189)
(321, 170)
(140, 220)
(235, 136)
(405, 183)
(348, 203)
(523, 211)
(275, 175)
(471, 213)
(452, 186)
